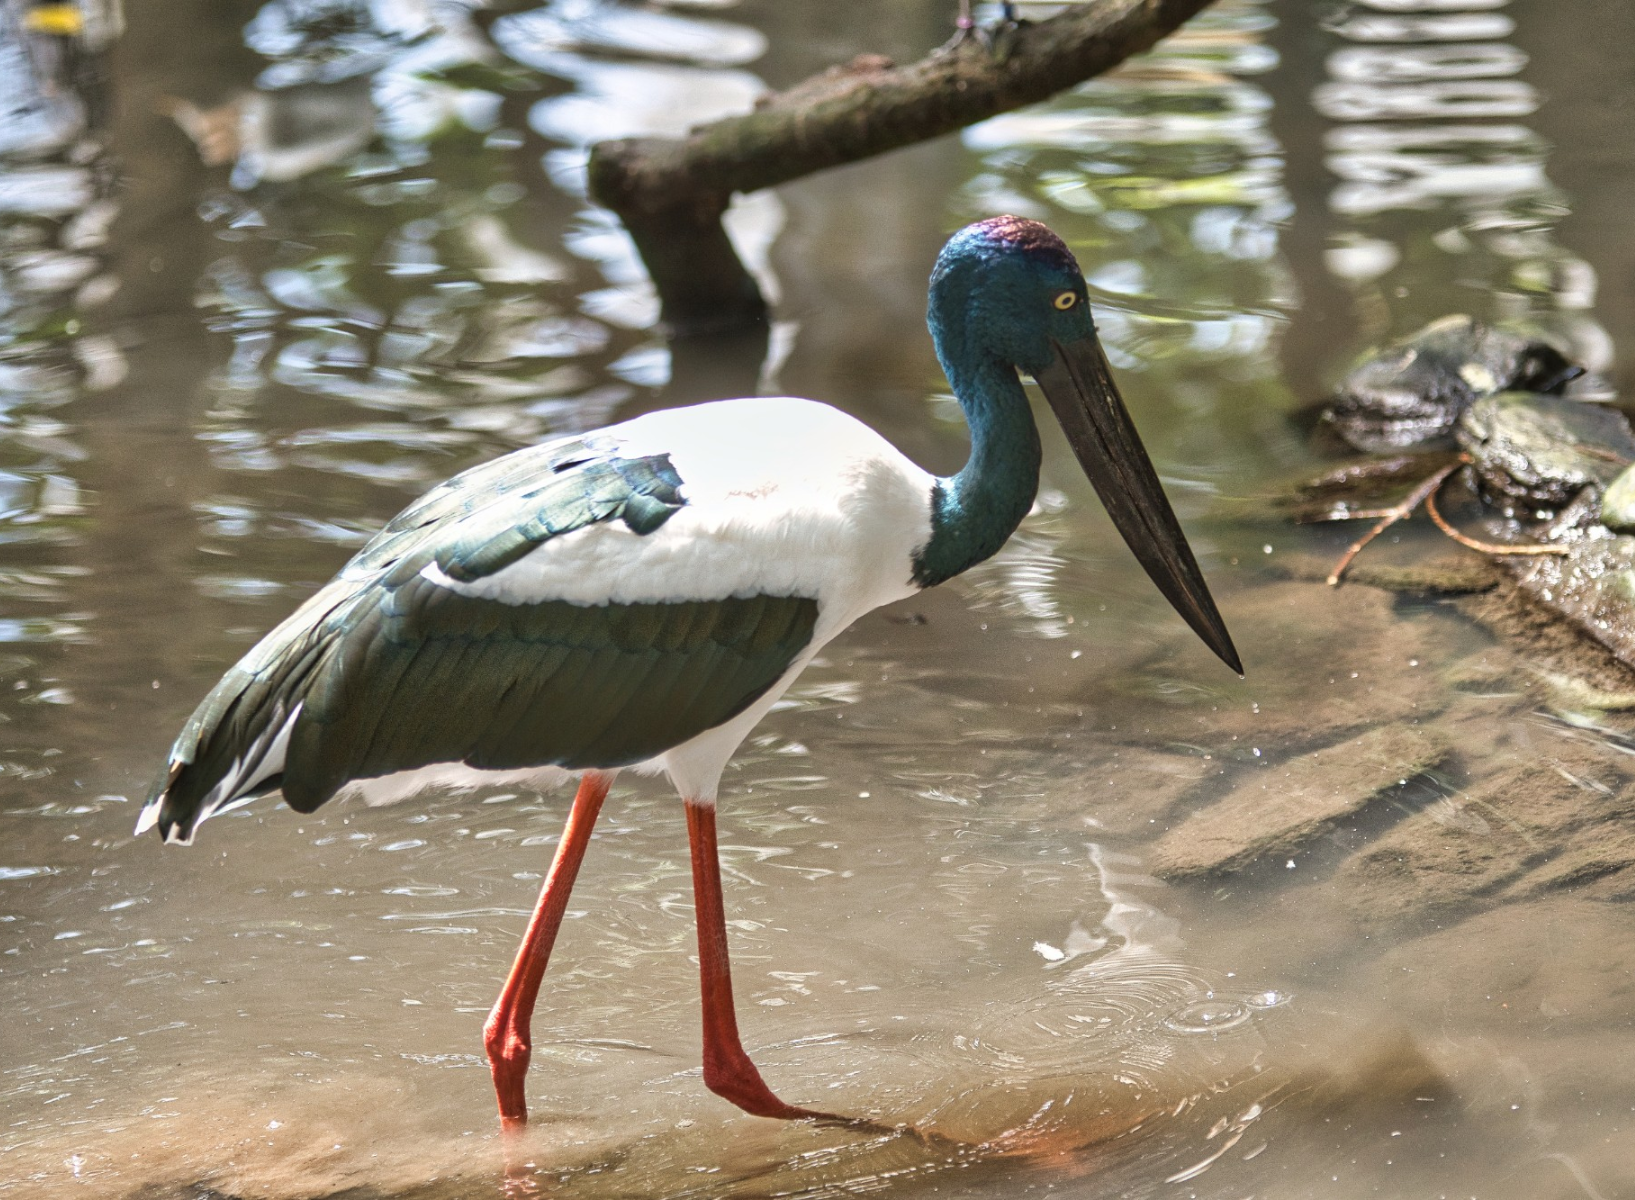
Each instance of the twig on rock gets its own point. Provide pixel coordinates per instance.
(1472, 543)
(1425, 492)
(1389, 517)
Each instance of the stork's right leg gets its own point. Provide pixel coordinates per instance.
(506, 1036)
(728, 1071)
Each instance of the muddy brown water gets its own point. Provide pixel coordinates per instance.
(980, 866)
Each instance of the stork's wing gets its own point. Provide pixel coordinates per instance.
(385, 670)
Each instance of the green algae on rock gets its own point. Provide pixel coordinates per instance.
(1618, 504)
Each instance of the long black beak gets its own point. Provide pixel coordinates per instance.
(1079, 385)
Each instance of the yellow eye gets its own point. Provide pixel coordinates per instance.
(1066, 300)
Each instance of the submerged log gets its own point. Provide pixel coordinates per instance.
(671, 192)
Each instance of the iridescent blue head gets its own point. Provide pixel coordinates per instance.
(1008, 287)
(1006, 293)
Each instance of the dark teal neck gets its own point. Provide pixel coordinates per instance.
(975, 511)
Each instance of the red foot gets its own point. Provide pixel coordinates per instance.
(739, 1082)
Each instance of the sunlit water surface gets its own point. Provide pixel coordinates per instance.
(268, 271)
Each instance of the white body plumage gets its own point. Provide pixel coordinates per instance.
(784, 496)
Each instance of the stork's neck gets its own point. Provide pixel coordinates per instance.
(975, 511)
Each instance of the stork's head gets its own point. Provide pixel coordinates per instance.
(1015, 286)
(1009, 289)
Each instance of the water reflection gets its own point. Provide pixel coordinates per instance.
(1426, 110)
(686, 72)
(1168, 180)
(56, 209)
(430, 275)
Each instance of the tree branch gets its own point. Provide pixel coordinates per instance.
(671, 192)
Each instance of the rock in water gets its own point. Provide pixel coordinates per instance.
(1531, 452)
(1552, 468)
(1412, 393)
(1592, 586)
(1281, 808)
(1352, 642)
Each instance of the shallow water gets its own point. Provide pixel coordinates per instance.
(216, 377)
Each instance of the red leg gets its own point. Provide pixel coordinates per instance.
(506, 1035)
(728, 1072)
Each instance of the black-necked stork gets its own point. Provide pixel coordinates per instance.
(641, 596)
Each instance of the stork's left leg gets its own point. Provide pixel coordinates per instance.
(728, 1072)
(507, 1035)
